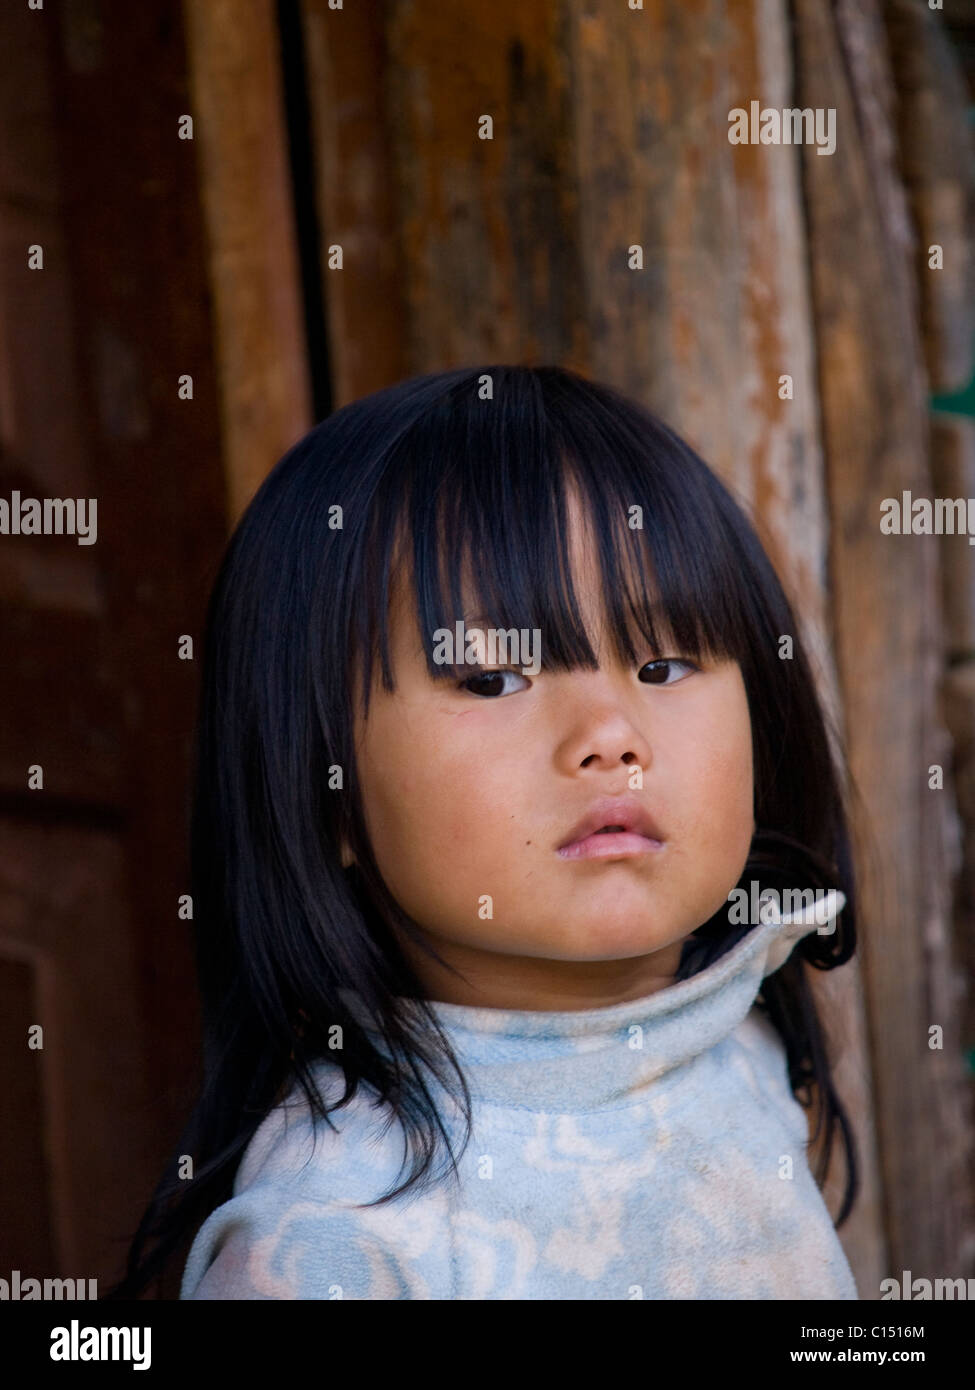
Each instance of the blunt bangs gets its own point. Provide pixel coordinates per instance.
(473, 504)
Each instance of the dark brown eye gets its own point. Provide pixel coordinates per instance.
(489, 684)
(655, 672)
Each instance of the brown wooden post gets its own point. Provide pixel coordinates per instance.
(939, 172)
(359, 221)
(238, 124)
(888, 623)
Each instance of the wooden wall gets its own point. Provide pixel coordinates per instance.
(91, 865)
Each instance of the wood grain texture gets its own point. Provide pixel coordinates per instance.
(937, 154)
(241, 145)
(953, 470)
(888, 623)
(347, 65)
(91, 874)
(489, 230)
(936, 145)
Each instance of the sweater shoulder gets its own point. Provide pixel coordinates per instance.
(322, 1158)
(298, 1225)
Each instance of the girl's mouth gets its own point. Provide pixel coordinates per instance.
(612, 842)
(615, 828)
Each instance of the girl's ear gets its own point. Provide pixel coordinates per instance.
(347, 857)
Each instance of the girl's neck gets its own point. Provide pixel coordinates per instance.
(491, 980)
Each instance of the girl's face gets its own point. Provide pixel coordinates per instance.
(469, 796)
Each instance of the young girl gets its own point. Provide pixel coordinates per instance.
(489, 1011)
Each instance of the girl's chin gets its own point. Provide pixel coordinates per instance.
(609, 941)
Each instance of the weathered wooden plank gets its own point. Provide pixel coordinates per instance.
(488, 227)
(953, 471)
(936, 148)
(43, 452)
(960, 713)
(241, 148)
(937, 169)
(347, 66)
(875, 435)
(134, 243)
(953, 475)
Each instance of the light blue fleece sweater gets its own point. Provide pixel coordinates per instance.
(652, 1149)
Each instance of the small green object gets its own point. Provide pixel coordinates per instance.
(959, 402)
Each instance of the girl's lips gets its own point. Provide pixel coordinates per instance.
(614, 844)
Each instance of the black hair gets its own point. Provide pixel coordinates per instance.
(472, 464)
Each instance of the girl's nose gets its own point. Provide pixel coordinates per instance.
(629, 757)
(603, 737)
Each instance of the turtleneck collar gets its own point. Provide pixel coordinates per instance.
(603, 1059)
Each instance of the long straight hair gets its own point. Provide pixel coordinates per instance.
(473, 467)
